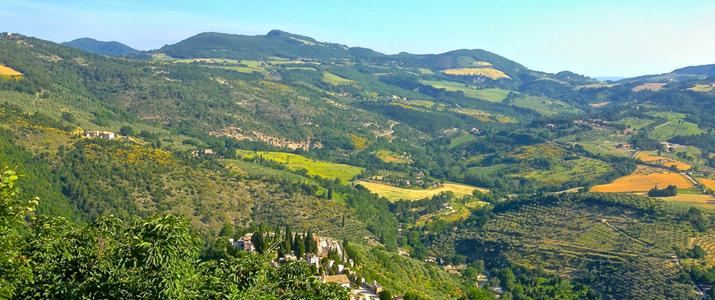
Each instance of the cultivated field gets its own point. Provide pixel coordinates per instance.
(333, 79)
(313, 167)
(394, 193)
(544, 105)
(392, 157)
(674, 126)
(651, 86)
(9, 73)
(708, 183)
(663, 161)
(703, 88)
(692, 197)
(644, 179)
(486, 72)
(489, 94)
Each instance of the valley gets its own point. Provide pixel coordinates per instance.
(462, 174)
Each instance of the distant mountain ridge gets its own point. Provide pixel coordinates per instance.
(277, 43)
(111, 48)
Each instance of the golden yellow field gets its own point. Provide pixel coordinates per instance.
(708, 183)
(486, 72)
(9, 73)
(664, 161)
(394, 193)
(703, 88)
(699, 200)
(644, 179)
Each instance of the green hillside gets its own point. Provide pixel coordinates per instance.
(222, 135)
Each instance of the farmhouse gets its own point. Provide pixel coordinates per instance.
(107, 135)
(243, 243)
(204, 152)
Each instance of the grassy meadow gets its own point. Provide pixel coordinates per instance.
(333, 79)
(394, 193)
(488, 94)
(313, 167)
(544, 105)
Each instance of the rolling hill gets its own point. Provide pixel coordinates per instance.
(235, 132)
(102, 48)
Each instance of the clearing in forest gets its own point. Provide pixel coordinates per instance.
(8, 73)
(394, 193)
(333, 79)
(313, 167)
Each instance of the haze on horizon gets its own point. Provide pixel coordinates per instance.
(608, 38)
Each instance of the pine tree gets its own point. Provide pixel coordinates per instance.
(310, 245)
(298, 246)
(288, 240)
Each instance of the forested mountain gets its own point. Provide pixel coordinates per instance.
(102, 48)
(454, 175)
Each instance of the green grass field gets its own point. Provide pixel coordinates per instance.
(636, 123)
(490, 94)
(333, 79)
(582, 168)
(323, 169)
(461, 140)
(392, 157)
(544, 105)
(674, 126)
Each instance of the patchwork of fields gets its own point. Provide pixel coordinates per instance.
(663, 161)
(644, 179)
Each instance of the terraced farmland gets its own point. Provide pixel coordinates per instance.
(549, 235)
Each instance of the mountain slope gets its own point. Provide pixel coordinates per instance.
(102, 48)
(274, 44)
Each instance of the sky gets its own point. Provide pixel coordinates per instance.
(595, 38)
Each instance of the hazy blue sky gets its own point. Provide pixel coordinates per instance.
(597, 38)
